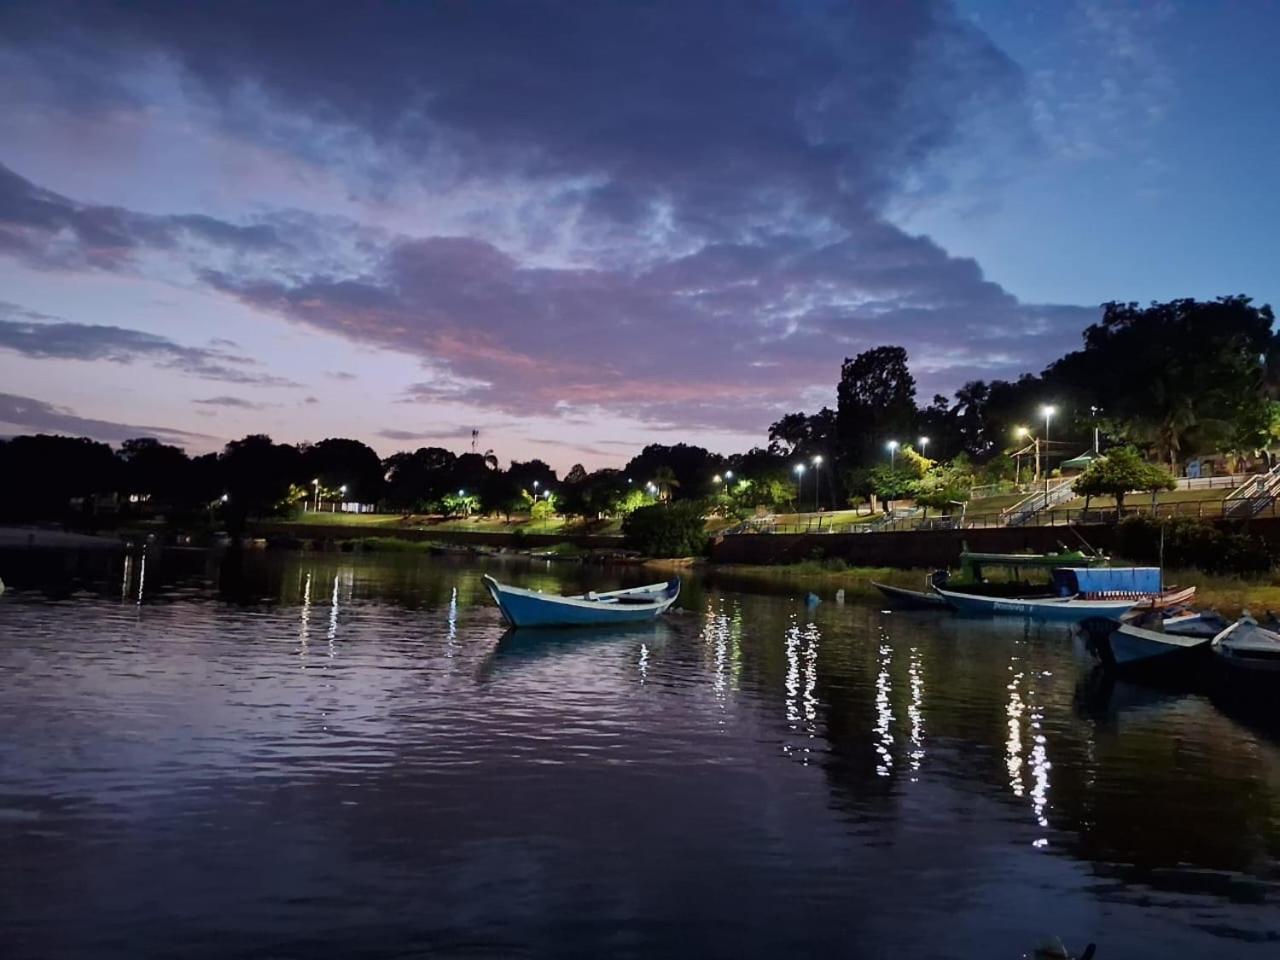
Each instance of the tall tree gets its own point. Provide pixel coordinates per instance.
(158, 470)
(258, 474)
(876, 403)
(339, 462)
(1180, 378)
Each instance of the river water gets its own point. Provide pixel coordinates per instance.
(327, 755)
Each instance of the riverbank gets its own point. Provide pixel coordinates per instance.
(1228, 595)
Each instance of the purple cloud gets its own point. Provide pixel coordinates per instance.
(42, 337)
(668, 212)
(28, 413)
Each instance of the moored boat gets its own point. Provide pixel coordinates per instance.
(905, 599)
(529, 608)
(1131, 646)
(1246, 646)
(1067, 609)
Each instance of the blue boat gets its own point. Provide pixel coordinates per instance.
(1074, 594)
(529, 608)
(1061, 609)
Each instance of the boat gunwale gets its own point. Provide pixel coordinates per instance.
(662, 593)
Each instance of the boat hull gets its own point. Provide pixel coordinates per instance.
(905, 599)
(1054, 609)
(526, 608)
(1135, 647)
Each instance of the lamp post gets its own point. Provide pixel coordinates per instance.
(342, 497)
(1095, 411)
(893, 454)
(799, 469)
(1021, 434)
(817, 481)
(316, 483)
(924, 442)
(1048, 410)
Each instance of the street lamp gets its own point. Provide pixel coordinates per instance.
(1095, 411)
(1047, 411)
(1019, 433)
(342, 495)
(224, 498)
(817, 480)
(799, 468)
(893, 453)
(316, 483)
(924, 442)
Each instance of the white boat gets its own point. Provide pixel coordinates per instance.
(529, 608)
(1246, 646)
(1130, 646)
(1065, 609)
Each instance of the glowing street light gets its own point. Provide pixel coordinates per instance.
(817, 480)
(924, 442)
(316, 483)
(893, 452)
(1047, 411)
(224, 498)
(716, 479)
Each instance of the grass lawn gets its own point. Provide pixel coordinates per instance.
(347, 519)
(1208, 499)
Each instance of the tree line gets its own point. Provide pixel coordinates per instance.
(1170, 380)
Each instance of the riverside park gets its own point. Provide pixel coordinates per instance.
(608, 480)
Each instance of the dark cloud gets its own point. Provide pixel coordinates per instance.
(441, 433)
(43, 337)
(48, 230)
(238, 403)
(694, 194)
(37, 415)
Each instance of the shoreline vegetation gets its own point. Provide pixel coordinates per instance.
(1225, 593)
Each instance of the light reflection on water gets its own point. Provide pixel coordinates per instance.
(175, 784)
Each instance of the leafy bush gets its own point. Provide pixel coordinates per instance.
(666, 530)
(1119, 472)
(1194, 543)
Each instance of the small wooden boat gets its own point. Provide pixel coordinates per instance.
(529, 608)
(1246, 646)
(904, 599)
(1131, 647)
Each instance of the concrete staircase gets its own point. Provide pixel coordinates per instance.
(1028, 508)
(1253, 496)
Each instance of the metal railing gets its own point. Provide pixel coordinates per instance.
(1040, 501)
(1252, 497)
(1054, 517)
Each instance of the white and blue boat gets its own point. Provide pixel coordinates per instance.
(1061, 609)
(529, 608)
(1074, 594)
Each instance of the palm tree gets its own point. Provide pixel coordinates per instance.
(664, 478)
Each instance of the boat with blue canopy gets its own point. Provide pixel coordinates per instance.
(530, 608)
(1073, 594)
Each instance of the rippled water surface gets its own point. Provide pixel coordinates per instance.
(337, 756)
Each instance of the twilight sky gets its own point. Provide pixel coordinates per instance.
(583, 226)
